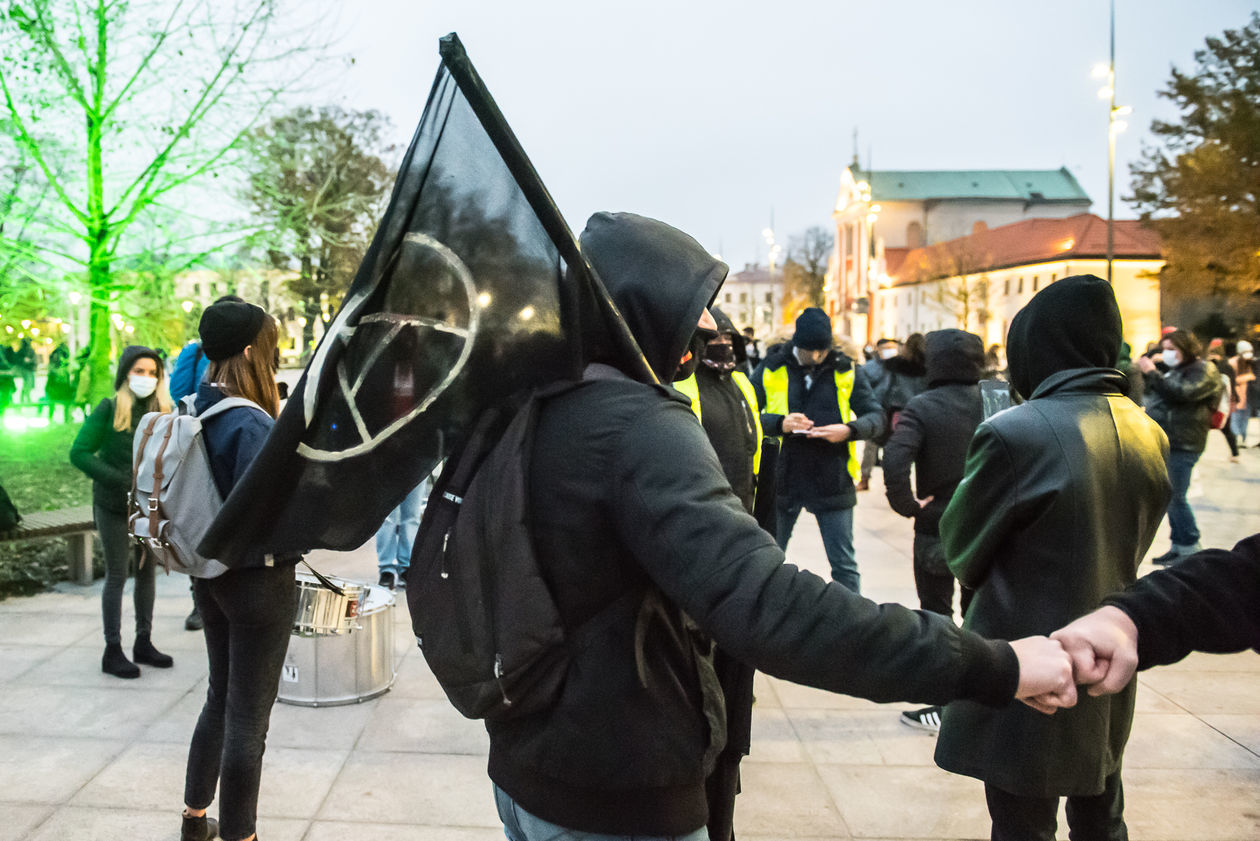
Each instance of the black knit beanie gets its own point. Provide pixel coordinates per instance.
(227, 328)
(813, 330)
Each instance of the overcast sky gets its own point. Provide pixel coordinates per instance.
(713, 115)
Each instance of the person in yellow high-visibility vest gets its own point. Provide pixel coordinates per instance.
(820, 403)
(723, 399)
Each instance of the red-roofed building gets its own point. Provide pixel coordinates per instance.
(980, 281)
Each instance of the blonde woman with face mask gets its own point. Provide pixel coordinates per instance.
(102, 450)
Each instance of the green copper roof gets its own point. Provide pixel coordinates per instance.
(1031, 185)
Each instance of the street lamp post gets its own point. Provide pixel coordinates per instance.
(1114, 127)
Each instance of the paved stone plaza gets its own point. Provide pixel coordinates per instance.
(84, 755)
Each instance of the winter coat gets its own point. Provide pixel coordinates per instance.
(814, 472)
(627, 497)
(1206, 602)
(1182, 401)
(104, 453)
(1061, 498)
(233, 439)
(934, 429)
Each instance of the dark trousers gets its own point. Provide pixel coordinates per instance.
(932, 578)
(1096, 818)
(120, 552)
(1181, 522)
(248, 615)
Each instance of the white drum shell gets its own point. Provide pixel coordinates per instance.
(329, 670)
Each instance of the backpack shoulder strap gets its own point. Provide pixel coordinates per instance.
(228, 403)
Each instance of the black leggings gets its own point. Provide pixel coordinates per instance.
(248, 615)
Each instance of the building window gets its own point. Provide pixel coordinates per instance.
(769, 297)
(1053, 278)
(1019, 286)
(728, 297)
(743, 297)
(914, 235)
(1034, 283)
(922, 297)
(1006, 288)
(196, 290)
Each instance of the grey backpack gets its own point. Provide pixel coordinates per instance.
(173, 496)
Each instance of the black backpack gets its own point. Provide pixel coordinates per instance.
(482, 612)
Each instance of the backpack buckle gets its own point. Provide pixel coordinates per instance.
(153, 503)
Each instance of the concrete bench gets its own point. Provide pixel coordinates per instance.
(74, 524)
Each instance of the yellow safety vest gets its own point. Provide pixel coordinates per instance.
(775, 382)
(691, 389)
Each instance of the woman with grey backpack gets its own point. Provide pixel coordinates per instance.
(248, 610)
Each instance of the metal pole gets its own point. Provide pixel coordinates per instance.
(1111, 149)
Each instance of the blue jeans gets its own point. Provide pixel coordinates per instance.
(1238, 422)
(836, 526)
(1185, 531)
(396, 536)
(519, 825)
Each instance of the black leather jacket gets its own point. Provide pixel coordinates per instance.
(1061, 498)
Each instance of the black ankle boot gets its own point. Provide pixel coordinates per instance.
(144, 652)
(199, 829)
(116, 663)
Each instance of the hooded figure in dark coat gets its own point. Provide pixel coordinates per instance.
(1060, 499)
(634, 522)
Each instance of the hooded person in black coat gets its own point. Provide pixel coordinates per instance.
(1060, 499)
(635, 524)
(932, 434)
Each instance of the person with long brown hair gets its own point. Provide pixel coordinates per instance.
(248, 610)
(1181, 401)
(102, 450)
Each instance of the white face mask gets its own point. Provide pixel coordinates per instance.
(140, 385)
(888, 353)
(1172, 358)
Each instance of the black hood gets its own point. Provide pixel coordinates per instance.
(1074, 323)
(725, 325)
(954, 356)
(660, 278)
(129, 356)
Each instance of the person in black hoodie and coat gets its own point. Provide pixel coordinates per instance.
(932, 434)
(1060, 500)
(628, 499)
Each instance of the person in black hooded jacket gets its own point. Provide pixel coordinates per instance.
(932, 434)
(1060, 499)
(628, 499)
(102, 450)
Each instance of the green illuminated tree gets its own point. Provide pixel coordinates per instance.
(1199, 185)
(149, 103)
(318, 186)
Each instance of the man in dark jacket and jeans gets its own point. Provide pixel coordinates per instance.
(1060, 499)
(933, 432)
(821, 404)
(635, 522)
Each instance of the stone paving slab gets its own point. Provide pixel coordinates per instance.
(83, 755)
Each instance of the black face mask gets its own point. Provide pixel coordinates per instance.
(720, 356)
(699, 340)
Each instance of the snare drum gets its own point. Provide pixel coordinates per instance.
(324, 670)
(320, 611)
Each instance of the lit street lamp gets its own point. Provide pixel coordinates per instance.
(1114, 127)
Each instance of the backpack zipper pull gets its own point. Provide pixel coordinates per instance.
(498, 676)
(445, 539)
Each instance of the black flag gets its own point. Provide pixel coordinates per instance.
(469, 293)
